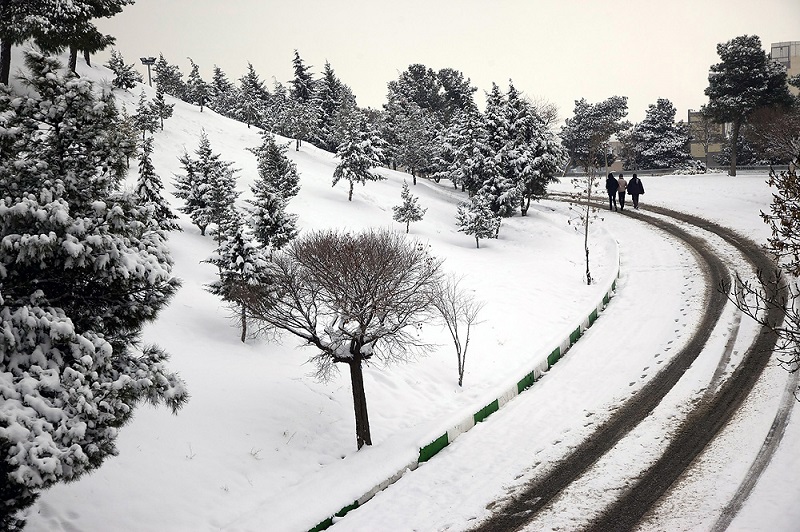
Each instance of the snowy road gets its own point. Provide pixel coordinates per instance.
(635, 336)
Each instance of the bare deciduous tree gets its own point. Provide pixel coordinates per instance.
(773, 303)
(459, 311)
(353, 298)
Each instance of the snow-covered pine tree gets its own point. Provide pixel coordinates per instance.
(196, 89)
(253, 98)
(303, 82)
(129, 136)
(277, 183)
(336, 104)
(499, 187)
(660, 142)
(145, 118)
(221, 93)
(80, 275)
(242, 268)
(418, 132)
(475, 217)
(125, 77)
(409, 211)
(160, 107)
(208, 188)
(274, 167)
(169, 78)
(743, 81)
(362, 151)
(149, 191)
(533, 153)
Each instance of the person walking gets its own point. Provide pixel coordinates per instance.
(635, 187)
(621, 184)
(611, 186)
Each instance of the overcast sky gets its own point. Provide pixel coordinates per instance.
(555, 50)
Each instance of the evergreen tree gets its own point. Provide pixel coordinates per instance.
(208, 188)
(658, 141)
(336, 105)
(499, 187)
(145, 118)
(161, 108)
(149, 191)
(169, 78)
(409, 211)
(222, 94)
(253, 98)
(477, 218)
(278, 182)
(242, 269)
(743, 81)
(128, 135)
(303, 82)
(196, 89)
(125, 77)
(361, 152)
(81, 276)
(418, 141)
(533, 153)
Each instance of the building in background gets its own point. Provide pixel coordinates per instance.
(788, 54)
(706, 138)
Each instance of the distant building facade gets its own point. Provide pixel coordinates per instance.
(788, 54)
(706, 138)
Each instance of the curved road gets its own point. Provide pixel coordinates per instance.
(696, 431)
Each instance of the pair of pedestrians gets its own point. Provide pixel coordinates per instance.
(618, 187)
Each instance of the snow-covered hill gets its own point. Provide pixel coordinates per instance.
(261, 445)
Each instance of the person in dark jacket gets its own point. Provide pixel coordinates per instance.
(611, 186)
(635, 188)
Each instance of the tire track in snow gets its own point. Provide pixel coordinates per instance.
(629, 509)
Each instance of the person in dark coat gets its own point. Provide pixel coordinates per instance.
(635, 187)
(611, 186)
(621, 186)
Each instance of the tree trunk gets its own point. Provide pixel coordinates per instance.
(202, 230)
(350, 195)
(408, 223)
(414, 175)
(363, 436)
(524, 206)
(297, 144)
(586, 229)
(87, 57)
(737, 124)
(5, 61)
(244, 322)
(73, 59)
(477, 242)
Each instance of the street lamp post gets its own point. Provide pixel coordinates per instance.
(148, 61)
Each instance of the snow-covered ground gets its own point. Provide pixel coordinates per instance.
(261, 445)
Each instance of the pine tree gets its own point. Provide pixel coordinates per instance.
(361, 152)
(477, 218)
(128, 134)
(169, 78)
(303, 82)
(658, 141)
(125, 77)
(253, 98)
(500, 186)
(409, 211)
(275, 168)
(196, 89)
(149, 191)
(208, 188)
(221, 93)
(242, 269)
(743, 81)
(81, 276)
(145, 118)
(160, 107)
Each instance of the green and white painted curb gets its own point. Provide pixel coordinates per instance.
(438, 443)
